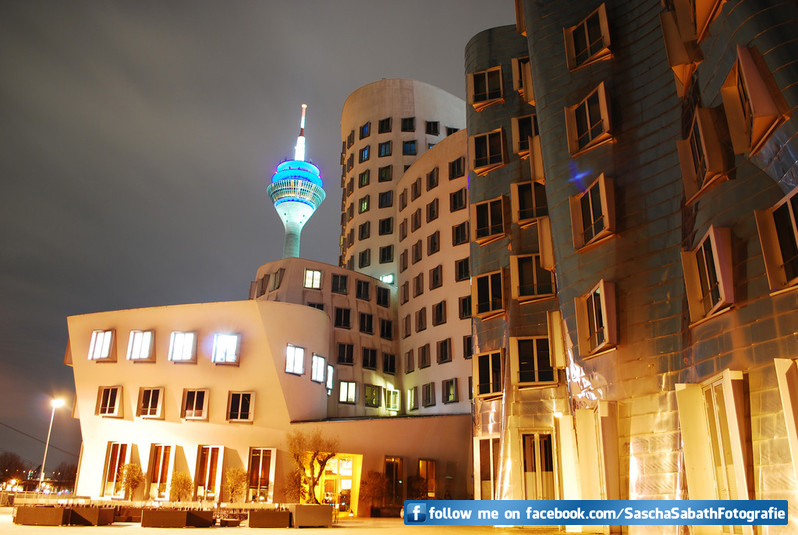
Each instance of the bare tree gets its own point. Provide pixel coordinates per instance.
(11, 466)
(311, 453)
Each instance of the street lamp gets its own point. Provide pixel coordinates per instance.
(56, 403)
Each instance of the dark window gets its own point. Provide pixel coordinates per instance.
(433, 128)
(350, 139)
(434, 242)
(439, 313)
(403, 261)
(487, 85)
(458, 200)
(364, 231)
(410, 361)
(409, 147)
(531, 201)
(385, 174)
(532, 279)
(432, 210)
(364, 154)
(421, 319)
(239, 406)
(403, 229)
(465, 307)
(389, 363)
(364, 258)
(489, 368)
(363, 290)
(451, 130)
(366, 323)
(527, 127)
(408, 124)
(342, 318)
(461, 270)
(386, 226)
(457, 168)
(384, 126)
(424, 356)
(405, 291)
(383, 296)
(417, 251)
(445, 350)
(319, 306)
(489, 219)
(369, 358)
(386, 329)
(489, 293)
(488, 149)
(534, 361)
(432, 179)
(346, 354)
(415, 189)
(418, 285)
(386, 199)
(415, 220)
(384, 149)
(468, 349)
(386, 254)
(460, 233)
(435, 277)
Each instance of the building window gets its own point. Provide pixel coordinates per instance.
(369, 358)
(330, 373)
(225, 348)
(434, 242)
(183, 347)
(524, 129)
(139, 347)
(406, 326)
(347, 392)
(439, 313)
(522, 79)
(118, 455)
(350, 162)
(436, 277)
(384, 149)
(534, 360)
(488, 151)
(384, 126)
(346, 354)
(350, 139)
(365, 130)
(457, 168)
(588, 122)
(342, 318)
(468, 351)
(528, 201)
(405, 292)
(416, 251)
(449, 390)
(373, 396)
(364, 231)
(339, 284)
(695, 17)
(261, 474)
(530, 280)
(317, 306)
(391, 399)
(488, 219)
(488, 291)
(383, 296)
(432, 210)
(363, 290)
(109, 401)
(385, 174)
(386, 329)
(415, 189)
(408, 124)
(460, 233)
(464, 307)
(195, 404)
(294, 359)
(363, 204)
(412, 398)
(409, 147)
(701, 156)
(593, 213)
(149, 403)
(424, 357)
(364, 258)
(432, 179)
(428, 394)
(386, 226)
(588, 41)
(410, 361)
(403, 261)
(418, 285)
(458, 200)
(595, 319)
(488, 373)
(312, 279)
(708, 274)
(403, 229)
(385, 199)
(364, 178)
(366, 323)
(350, 212)
(415, 220)
(445, 351)
(778, 234)
(485, 88)
(101, 345)
(386, 254)
(461, 270)
(364, 154)
(240, 407)
(433, 128)
(754, 106)
(160, 469)
(389, 363)
(318, 365)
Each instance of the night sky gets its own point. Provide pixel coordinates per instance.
(136, 142)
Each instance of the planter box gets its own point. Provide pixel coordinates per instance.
(308, 515)
(91, 516)
(170, 518)
(124, 513)
(229, 522)
(32, 515)
(269, 518)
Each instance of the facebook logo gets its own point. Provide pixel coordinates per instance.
(415, 513)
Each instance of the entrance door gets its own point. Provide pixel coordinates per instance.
(393, 475)
(539, 481)
(488, 467)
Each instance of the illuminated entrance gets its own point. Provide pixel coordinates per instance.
(340, 483)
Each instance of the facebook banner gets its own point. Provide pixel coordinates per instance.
(596, 512)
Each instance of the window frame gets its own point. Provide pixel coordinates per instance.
(703, 161)
(155, 413)
(491, 160)
(587, 320)
(709, 291)
(221, 355)
(184, 411)
(494, 230)
(372, 396)
(572, 115)
(192, 348)
(495, 305)
(773, 240)
(495, 367)
(294, 359)
(604, 187)
(347, 392)
(106, 350)
(537, 363)
(517, 291)
(312, 279)
(110, 408)
(491, 94)
(141, 342)
(522, 215)
(250, 414)
(603, 39)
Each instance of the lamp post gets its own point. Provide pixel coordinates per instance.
(56, 403)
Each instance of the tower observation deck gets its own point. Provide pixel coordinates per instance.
(296, 191)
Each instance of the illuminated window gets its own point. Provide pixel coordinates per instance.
(339, 284)
(347, 392)
(458, 200)
(485, 88)
(488, 220)
(318, 365)
(595, 319)
(386, 329)
(109, 401)
(364, 178)
(593, 213)
(409, 147)
(389, 363)
(385, 174)
(373, 396)
(294, 359)
(384, 126)
(183, 346)
(433, 128)
(240, 406)
(449, 390)
(457, 168)
(391, 399)
(488, 371)
(588, 41)
(330, 374)
(488, 151)
(384, 149)
(702, 156)
(364, 154)
(195, 405)
(365, 130)
(428, 394)
(261, 474)
(445, 351)
(778, 234)
(462, 270)
(363, 204)
(530, 281)
(225, 348)
(139, 346)
(149, 403)
(408, 124)
(312, 279)
(117, 455)
(101, 345)
(708, 274)
(488, 293)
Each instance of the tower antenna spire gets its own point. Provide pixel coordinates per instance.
(299, 150)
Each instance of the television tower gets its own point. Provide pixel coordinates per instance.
(296, 191)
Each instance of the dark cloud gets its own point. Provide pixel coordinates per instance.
(136, 141)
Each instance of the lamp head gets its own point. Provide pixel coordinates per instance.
(57, 403)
